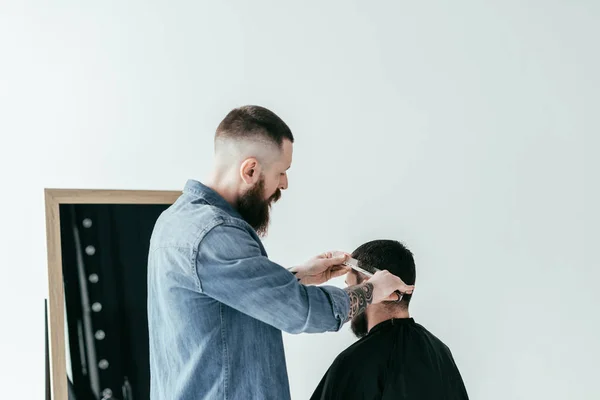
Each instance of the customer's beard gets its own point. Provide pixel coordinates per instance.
(255, 209)
(360, 325)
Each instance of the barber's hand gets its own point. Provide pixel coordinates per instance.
(385, 285)
(322, 268)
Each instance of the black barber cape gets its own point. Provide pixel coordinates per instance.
(398, 359)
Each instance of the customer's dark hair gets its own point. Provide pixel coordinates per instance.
(249, 122)
(392, 256)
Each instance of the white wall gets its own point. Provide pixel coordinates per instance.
(464, 128)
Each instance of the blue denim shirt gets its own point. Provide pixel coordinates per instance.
(217, 305)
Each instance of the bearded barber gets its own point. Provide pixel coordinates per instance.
(216, 303)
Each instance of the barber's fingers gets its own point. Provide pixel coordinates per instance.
(386, 284)
(337, 259)
(331, 258)
(327, 254)
(408, 289)
(338, 271)
(332, 254)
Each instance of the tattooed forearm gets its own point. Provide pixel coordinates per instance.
(360, 297)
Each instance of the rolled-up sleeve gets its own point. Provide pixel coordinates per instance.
(232, 269)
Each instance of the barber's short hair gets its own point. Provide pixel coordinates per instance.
(250, 122)
(390, 255)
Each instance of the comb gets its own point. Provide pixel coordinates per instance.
(354, 264)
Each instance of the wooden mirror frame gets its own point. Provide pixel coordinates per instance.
(56, 318)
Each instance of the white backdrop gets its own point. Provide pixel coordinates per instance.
(464, 129)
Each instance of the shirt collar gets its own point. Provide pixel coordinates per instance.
(209, 195)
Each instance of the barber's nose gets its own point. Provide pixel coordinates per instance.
(284, 182)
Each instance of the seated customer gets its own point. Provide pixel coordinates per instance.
(396, 358)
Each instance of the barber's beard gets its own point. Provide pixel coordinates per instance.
(360, 325)
(255, 210)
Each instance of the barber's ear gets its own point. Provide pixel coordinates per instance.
(250, 171)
